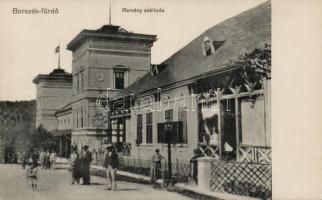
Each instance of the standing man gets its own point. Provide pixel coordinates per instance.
(111, 163)
(194, 164)
(86, 162)
(155, 165)
(52, 158)
(47, 160)
(35, 156)
(42, 157)
(94, 157)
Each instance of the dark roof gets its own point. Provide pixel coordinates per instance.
(66, 107)
(242, 34)
(63, 132)
(109, 32)
(57, 73)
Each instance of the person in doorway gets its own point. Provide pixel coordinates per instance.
(194, 164)
(155, 166)
(111, 163)
(86, 159)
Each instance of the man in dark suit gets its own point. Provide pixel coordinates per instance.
(111, 163)
(86, 159)
(194, 163)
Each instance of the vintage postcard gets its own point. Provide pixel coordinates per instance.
(115, 99)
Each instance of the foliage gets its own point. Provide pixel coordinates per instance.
(247, 189)
(43, 139)
(17, 122)
(17, 128)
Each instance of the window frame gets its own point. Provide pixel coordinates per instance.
(139, 128)
(149, 128)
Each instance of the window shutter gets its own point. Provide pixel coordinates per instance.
(161, 138)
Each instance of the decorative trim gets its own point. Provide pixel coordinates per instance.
(255, 155)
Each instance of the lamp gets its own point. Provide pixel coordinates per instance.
(168, 129)
(168, 126)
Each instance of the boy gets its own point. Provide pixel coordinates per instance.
(32, 175)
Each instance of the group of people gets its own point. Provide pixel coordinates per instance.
(46, 159)
(80, 165)
(156, 165)
(33, 159)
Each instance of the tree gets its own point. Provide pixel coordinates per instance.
(42, 138)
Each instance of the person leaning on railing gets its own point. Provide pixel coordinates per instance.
(194, 163)
(155, 165)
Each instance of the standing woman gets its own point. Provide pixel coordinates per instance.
(74, 166)
(86, 161)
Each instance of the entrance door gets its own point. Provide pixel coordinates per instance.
(118, 132)
(228, 130)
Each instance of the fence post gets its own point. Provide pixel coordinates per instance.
(204, 172)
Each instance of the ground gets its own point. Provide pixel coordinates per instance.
(55, 184)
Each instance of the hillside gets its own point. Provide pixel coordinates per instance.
(17, 122)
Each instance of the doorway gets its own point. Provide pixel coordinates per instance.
(228, 141)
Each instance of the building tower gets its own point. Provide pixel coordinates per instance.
(53, 92)
(109, 57)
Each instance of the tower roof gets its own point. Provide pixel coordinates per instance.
(109, 32)
(56, 74)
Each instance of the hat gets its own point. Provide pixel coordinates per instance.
(85, 147)
(157, 150)
(206, 39)
(109, 146)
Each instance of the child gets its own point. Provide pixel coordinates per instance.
(32, 175)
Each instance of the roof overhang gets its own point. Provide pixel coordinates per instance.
(109, 32)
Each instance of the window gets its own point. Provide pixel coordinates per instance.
(161, 136)
(176, 133)
(82, 81)
(77, 85)
(76, 119)
(139, 128)
(119, 80)
(149, 132)
(161, 132)
(182, 117)
(82, 118)
(169, 115)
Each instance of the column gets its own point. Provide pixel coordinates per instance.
(204, 172)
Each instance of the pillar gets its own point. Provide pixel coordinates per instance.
(204, 172)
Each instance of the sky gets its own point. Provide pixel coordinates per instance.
(28, 41)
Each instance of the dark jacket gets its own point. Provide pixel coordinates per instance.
(87, 158)
(112, 160)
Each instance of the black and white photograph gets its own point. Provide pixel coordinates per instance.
(115, 99)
